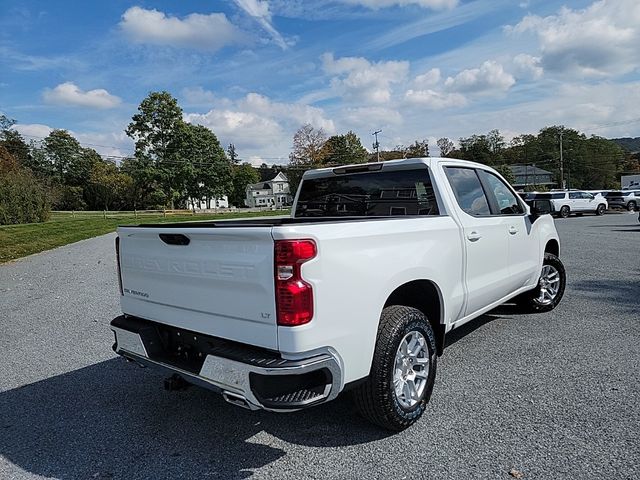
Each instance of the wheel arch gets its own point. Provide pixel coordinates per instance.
(552, 246)
(425, 296)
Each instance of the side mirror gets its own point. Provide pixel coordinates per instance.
(539, 208)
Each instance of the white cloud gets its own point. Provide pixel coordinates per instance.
(33, 131)
(527, 66)
(107, 144)
(433, 100)
(259, 10)
(365, 117)
(205, 32)
(490, 76)
(357, 78)
(198, 96)
(69, 93)
(428, 79)
(376, 4)
(256, 123)
(600, 40)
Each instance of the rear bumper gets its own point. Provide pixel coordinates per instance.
(247, 376)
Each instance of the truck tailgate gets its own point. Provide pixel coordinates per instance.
(216, 281)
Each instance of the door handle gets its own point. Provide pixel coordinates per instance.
(513, 230)
(474, 236)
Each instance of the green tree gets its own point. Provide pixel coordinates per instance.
(476, 148)
(343, 149)
(307, 152)
(6, 123)
(243, 175)
(23, 199)
(202, 165)
(233, 155)
(154, 130)
(15, 145)
(70, 198)
(109, 187)
(61, 150)
(445, 145)
(146, 192)
(418, 149)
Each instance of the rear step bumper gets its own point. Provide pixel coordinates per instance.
(247, 376)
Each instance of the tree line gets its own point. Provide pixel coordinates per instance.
(587, 162)
(175, 162)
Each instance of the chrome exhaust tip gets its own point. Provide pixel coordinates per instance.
(238, 400)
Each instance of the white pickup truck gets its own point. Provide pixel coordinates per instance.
(356, 290)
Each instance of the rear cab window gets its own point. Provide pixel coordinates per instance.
(369, 194)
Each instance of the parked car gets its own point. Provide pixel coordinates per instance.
(627, 199)
(356, 290)
(574, 201)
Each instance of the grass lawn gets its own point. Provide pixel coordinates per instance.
(20, 240)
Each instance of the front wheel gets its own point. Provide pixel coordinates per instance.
(550, 289)
(600, 210)
(631, 206)
(403, 370)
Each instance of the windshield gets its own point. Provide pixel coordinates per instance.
(394, 193)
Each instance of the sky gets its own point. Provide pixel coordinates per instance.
(254, 71)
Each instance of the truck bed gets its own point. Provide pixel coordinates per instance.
(265, 222)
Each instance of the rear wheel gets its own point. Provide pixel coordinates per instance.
(550, 289)
(631, 206)
(564, 211)
(600, 210)
(403, 370)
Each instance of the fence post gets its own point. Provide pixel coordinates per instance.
(135, 213)
(164, 212)
(104, 214)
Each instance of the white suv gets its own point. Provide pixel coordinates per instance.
(628, 199)
(574, 201)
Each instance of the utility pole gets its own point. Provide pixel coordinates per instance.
(562, 185)
(376, 144)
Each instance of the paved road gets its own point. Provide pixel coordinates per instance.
(553, 395)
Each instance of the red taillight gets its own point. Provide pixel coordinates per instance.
(294, 296)
(118, 263)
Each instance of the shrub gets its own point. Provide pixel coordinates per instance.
(22, 198)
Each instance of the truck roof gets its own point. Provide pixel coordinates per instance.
(399, 164)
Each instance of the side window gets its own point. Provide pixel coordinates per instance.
(574, 195)
(507, 202)
(468, 190)
(588, 196)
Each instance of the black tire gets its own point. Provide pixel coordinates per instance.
(600, 210)
(565, 211)
(631, 206)
(529, 301)
(376, 398)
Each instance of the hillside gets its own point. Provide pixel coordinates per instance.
(629, 144)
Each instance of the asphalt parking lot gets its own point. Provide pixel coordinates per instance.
(551, 395)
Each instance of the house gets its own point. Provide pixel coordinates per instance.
(273, 193)
(529, 175)
(207, 204)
